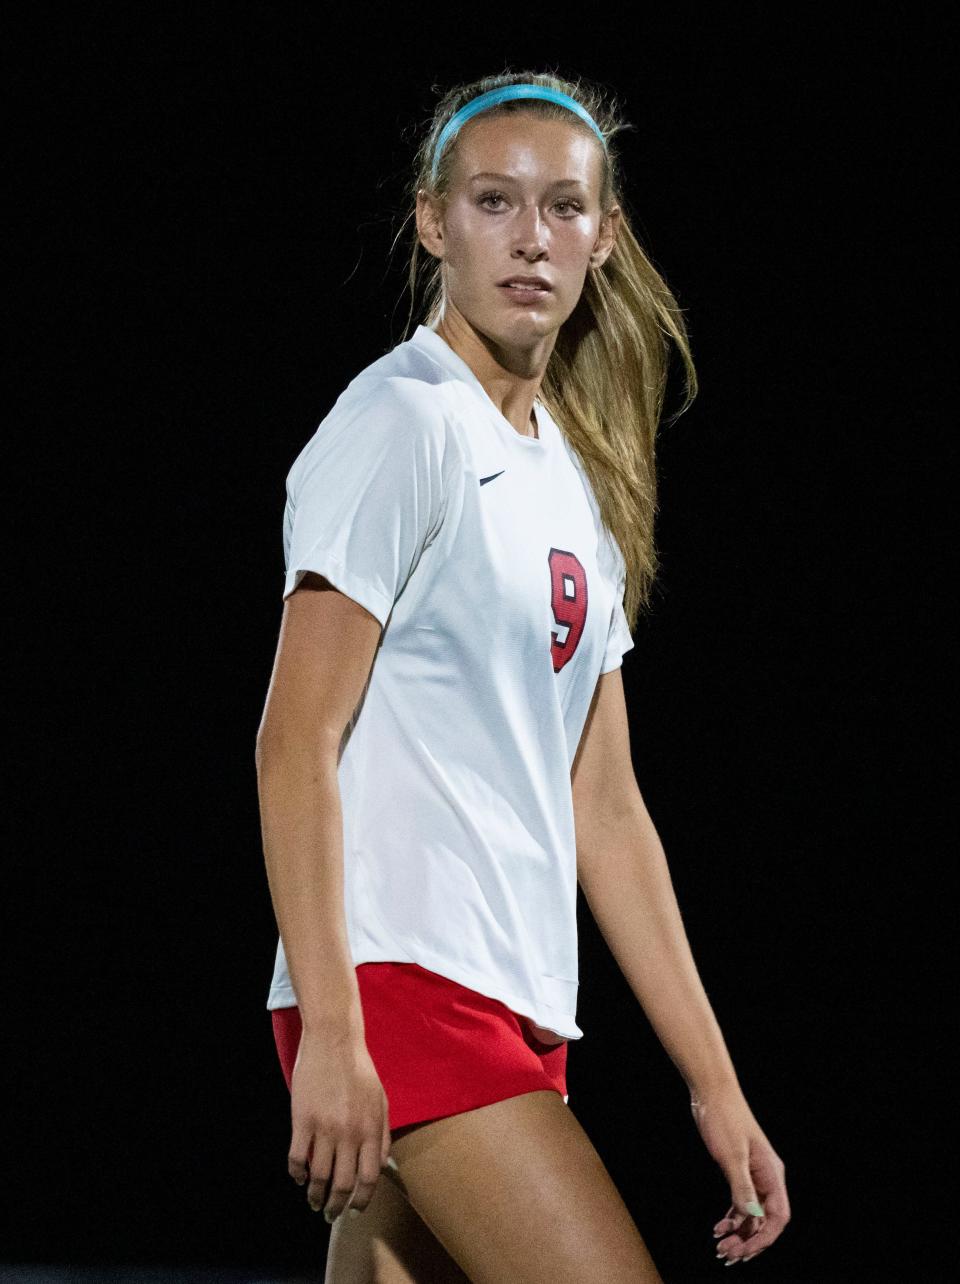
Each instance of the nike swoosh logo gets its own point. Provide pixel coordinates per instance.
(484, 480)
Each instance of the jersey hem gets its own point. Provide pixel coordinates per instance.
(283, 996)
(413, 950)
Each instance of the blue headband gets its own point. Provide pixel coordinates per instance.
(504, 95)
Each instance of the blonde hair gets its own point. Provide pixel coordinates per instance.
(605, 380)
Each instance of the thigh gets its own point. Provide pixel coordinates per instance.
(516, 1191)
(388, 1244)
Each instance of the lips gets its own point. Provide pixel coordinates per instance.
(526, 283)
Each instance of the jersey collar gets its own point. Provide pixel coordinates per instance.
(441, 351)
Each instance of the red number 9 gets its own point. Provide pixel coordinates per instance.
(568, 598)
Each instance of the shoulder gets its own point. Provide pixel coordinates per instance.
(403, 402)
(401, 392)
(395, 408)
(381, 422)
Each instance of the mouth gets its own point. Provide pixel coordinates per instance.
(525, 288)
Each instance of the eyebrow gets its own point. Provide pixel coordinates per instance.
(507, 178)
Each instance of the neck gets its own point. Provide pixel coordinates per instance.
(510, 377)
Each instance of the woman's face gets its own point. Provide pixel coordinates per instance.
(524, 200)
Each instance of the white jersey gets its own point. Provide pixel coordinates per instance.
(500, 595)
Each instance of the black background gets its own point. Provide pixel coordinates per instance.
(204, 203)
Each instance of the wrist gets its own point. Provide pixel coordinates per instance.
(708, 1089)
(338, 1027)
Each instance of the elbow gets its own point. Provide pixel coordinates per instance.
(276, 746)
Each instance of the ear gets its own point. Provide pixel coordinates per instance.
(429, 224)
(606, 236)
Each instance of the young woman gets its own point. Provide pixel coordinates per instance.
(444, 751)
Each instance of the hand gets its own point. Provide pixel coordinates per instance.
(341, 1135)
(753, 1168)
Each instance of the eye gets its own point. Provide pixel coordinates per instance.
(569, 207)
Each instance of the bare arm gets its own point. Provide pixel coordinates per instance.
(340, 1137)
(622, 869)
(324, 655)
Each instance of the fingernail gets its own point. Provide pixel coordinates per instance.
(754, 1209)
(392, 1163)
(748, 1256)
(732, 1262)
(354, 1212)
(331, 1217)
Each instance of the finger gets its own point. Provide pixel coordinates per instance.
(298, 1156)
(744, 1192)
(725, 1224)
(739, 1249)
(742, 1233)
(343, 1181)
(776, 1201)
(778, 1214)
(368, 1173)
(746, 1214)
(737, 1230)
(772, 1198)
(731, 1221)
(321, 1166)
(386, 1141)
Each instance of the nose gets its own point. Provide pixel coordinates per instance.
(529, 233)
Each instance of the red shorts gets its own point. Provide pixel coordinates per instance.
(438, 1047)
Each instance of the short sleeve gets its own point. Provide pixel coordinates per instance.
(619, 641)
(365, 496)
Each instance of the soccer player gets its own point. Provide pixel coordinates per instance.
(444, 752)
